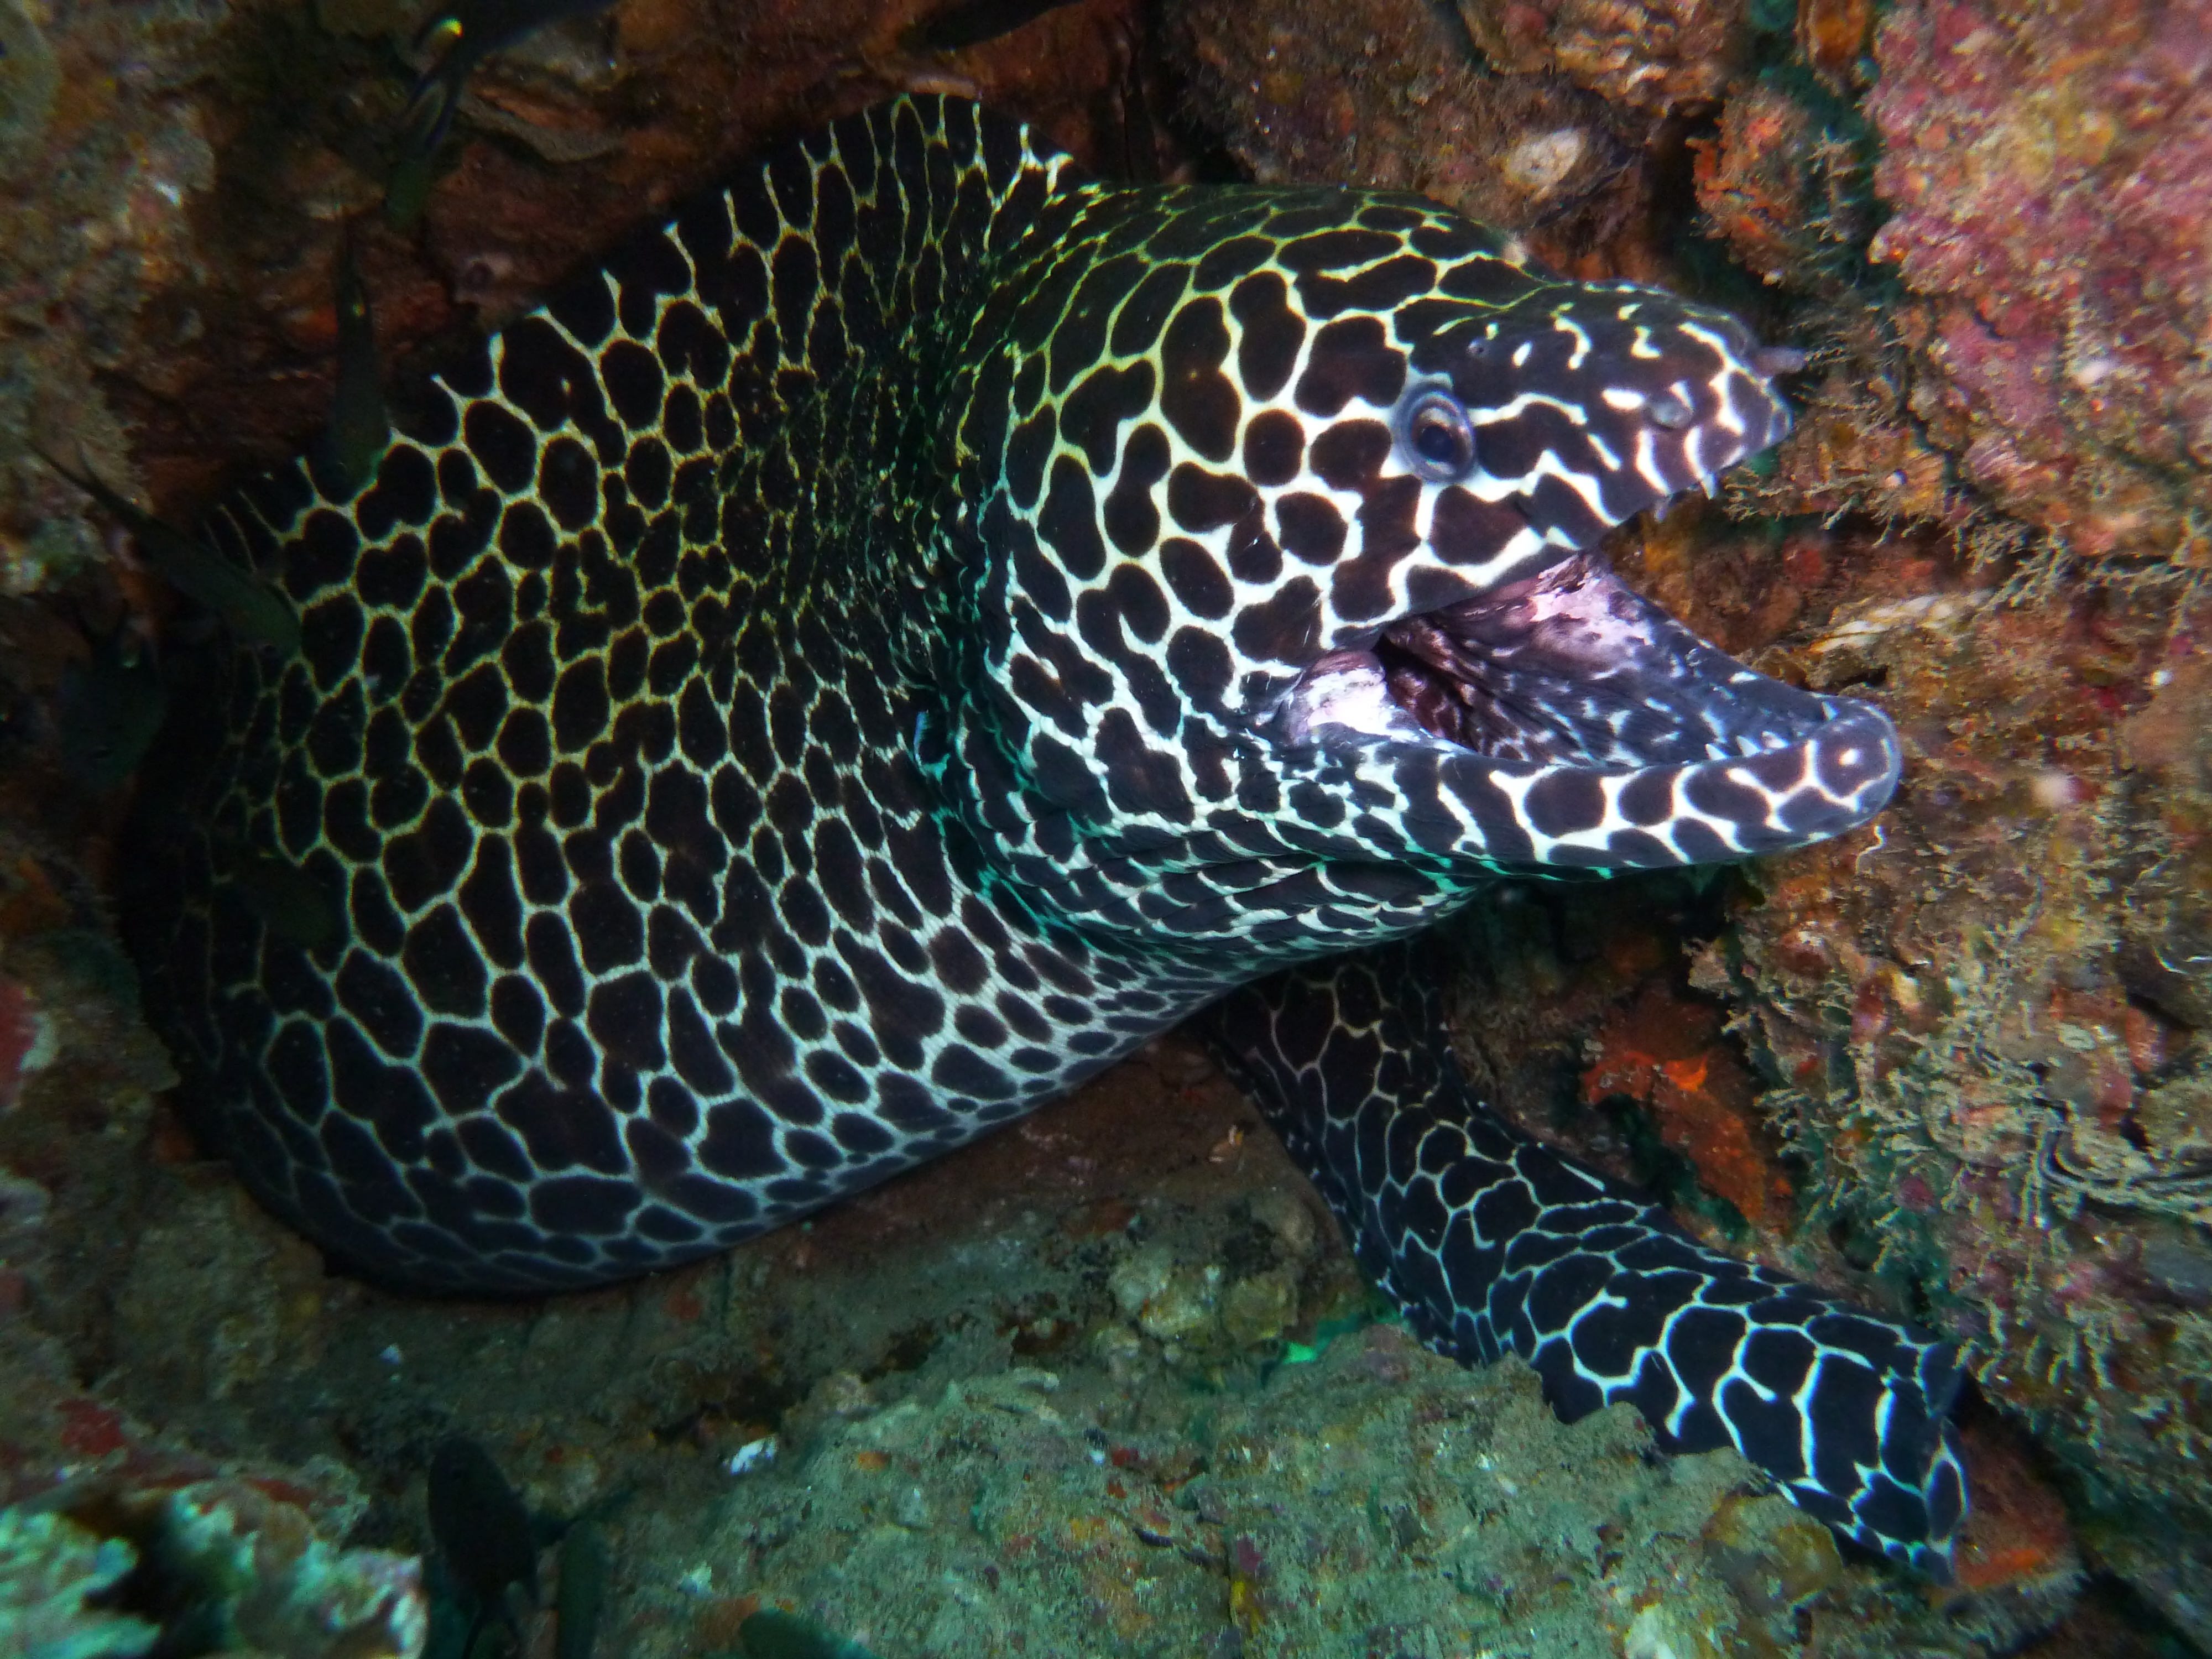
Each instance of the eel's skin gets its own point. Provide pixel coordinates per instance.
(922, 623)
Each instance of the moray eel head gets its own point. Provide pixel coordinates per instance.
(1577, 723)
(1349, 501)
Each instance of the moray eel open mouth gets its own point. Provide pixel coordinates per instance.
(1571, 665)
(1570, 680)
(1571, 668)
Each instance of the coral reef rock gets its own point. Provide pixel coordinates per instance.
(2051, 167)
(1653, 55)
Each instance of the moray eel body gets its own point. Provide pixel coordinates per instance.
(921, 624)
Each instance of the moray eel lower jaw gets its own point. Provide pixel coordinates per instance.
(1623, 740)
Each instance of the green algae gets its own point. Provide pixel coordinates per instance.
(51, 1571)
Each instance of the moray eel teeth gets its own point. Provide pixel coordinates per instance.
(923, 622)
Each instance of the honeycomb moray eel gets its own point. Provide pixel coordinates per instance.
(917, 626)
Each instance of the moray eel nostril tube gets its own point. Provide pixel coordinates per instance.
(923, 622)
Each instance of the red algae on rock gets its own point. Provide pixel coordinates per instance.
(1668, 1053)
(1784, 186)
(2051, 167)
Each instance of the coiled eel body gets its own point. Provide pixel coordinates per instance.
(923, 622)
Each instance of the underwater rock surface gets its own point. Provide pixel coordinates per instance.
(2051, 170)
(1108, 1383)
(174, 187)
(1376, 1499)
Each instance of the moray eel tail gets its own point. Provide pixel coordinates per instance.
(1490, 1241)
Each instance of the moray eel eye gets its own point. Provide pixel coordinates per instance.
(1436, 437)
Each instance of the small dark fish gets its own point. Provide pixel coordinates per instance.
(360, 430)
(249, 607)
(459, 37)
(104, 713)
(408, 190)
(483, 1530)
(290, 902)
(453, 1621)
(583, 1595)
(769, 1634)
